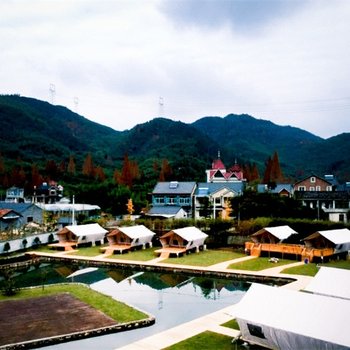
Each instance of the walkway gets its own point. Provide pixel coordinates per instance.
(211, 322)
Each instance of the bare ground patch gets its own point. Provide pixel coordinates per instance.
(48, 316)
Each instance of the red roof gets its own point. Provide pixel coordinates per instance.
(218, 164)
(3, 212)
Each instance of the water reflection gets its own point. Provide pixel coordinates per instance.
(173, 298)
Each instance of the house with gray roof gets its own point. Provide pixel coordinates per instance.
(29, 212)
(175, 194)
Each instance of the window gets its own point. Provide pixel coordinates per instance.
(171, 200)
(184, 200)
(256, 331)
(318, 188)
(159, 200)
(312, 188)
(217, 200)
(30, 219)
(329, 188)
(312, 179)
(301, 188)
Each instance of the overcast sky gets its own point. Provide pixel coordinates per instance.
(125, 62)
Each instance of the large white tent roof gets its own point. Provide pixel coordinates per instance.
(86, 230)
(190, 233)
(339, 236)
(296, 313)
(67, 207)
(281, 232)
(332, 282)
(138, 231)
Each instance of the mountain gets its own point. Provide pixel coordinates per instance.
(35, 131)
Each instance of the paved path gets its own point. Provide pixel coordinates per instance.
(211, 322)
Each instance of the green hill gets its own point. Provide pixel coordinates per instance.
(36, 131)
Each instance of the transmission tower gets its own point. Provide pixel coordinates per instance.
(52, 90)
(76, 102)
(161, 107)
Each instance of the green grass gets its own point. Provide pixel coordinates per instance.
(87, 251)
(137, 255)
(206, 340)
(119, 311)
(258, 264)
(231, 324)
(204, 258)
(311, 269)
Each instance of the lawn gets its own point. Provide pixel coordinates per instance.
(119, 311)
(137, 255)
(210, 340)
(206, 340)
(311, 269)
(231, 324)
(204, 258)
(87, 251)
(258, 264)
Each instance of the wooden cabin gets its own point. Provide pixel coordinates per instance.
(126, 238)
(182, 240)
(327, 243)
(71, 236)
(271, 239)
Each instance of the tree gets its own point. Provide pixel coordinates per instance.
(71, 165)
(267, 173)
(130, 207)
(88, 167)
(276, 172)
(165, 171)
(100, 174)
(51, 169)
(126, 175)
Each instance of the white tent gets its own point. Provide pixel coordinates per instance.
(332, 282)
(82, 233)
(280, 232)
(340, 238)
(279, 318)
(133, 235)
(191, 237)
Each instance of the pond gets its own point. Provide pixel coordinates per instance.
(173, 298)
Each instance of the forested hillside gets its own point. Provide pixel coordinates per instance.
(42, 142)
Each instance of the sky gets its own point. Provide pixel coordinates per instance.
(124, 62)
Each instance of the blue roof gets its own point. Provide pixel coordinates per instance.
(18, 207)
(164, 210)
(205, 189)
(174, 187)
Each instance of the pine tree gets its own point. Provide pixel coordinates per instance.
(126, 175)
(71, 165)
(276, 172)
(165, 171)
(88, 167)
(267, 173)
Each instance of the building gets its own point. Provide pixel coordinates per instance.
(28, 213)
(128, 237)
(326, 195)
(178, 195)
(278, 318)
(209, 199)
(182, 240)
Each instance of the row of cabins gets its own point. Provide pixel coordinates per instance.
(124, 239)
(315, 247)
